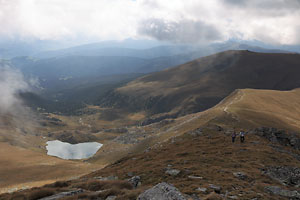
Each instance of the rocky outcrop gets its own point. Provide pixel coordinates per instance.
(162, 191)
(285, 175)
(279, 136)
(292, 194)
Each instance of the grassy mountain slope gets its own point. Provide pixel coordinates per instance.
(199, 146)
(23, 168)
(278, 109)
(202, 83)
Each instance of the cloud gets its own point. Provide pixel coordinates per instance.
(11, 84)
(276, 5)
(270, 21)
(184, 31)
(273, 21)
(13, 112)
(59, 19)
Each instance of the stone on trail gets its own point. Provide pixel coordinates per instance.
(162, 191)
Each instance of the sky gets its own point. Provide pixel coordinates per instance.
(178, 21)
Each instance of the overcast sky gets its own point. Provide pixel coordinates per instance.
(183, 21)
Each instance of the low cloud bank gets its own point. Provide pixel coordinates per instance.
(13, 112)
(184, 31)
(11, 84)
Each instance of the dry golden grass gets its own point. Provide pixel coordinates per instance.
(280, 109)
(21, 168)
(211, 156)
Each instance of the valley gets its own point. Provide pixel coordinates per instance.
(149, 100)
(180, 118)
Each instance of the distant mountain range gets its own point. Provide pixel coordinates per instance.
(95, 69)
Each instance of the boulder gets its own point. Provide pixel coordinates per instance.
(162, 191)
(135, 181)
(279, 136)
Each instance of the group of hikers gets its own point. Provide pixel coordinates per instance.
(242, 136)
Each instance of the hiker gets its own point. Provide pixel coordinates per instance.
(233, 136)
(242, 136)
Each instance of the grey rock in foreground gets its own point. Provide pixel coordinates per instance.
(162, 191)
(63, 194)
(282, 192)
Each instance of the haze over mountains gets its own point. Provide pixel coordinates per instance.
(58, 74)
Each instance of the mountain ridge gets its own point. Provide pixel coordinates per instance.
(202, 83)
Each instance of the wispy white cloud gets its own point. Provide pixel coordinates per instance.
(11, 84)
(13, 112)
(272, 21)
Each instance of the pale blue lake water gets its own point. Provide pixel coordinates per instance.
(68, 151)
